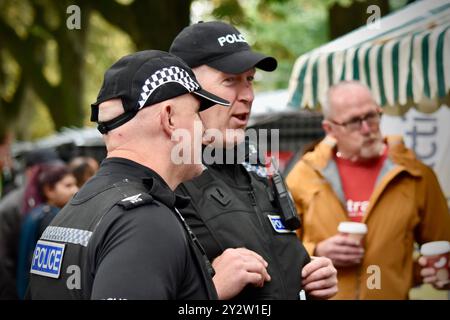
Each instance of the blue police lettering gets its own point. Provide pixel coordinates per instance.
(47, 259)
(278, 224)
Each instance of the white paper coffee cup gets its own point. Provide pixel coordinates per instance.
(438, 256)
(354, 230)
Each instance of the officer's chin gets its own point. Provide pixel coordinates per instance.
(233, 138)
(193, 170)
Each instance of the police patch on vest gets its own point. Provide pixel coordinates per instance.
(47, 259)
(278, 225)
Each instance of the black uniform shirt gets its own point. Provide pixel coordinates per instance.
(141, 252)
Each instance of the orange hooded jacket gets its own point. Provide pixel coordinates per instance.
(406, 206)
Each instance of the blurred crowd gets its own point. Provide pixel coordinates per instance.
(29, 200)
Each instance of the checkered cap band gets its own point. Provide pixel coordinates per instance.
(163, 76)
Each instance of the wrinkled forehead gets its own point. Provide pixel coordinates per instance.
(352, 101)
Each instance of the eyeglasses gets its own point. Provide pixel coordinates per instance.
(372, 119)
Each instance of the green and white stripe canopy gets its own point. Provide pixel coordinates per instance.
(405, 62)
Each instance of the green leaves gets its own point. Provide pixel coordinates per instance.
(282, 28)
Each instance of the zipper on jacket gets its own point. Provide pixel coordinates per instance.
(275, 262)
(267, 231)
(254, 203)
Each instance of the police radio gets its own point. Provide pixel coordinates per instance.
(283, 198)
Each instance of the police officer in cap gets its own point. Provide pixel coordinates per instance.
(121, 236)
(243, 225)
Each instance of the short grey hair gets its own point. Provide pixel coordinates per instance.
(327, 105)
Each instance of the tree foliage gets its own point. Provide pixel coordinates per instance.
(38, 51)
(286, 29)
(49, 73)
(281, 28)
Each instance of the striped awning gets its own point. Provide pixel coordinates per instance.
(404, 66)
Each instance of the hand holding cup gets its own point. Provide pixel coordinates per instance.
(435, 260)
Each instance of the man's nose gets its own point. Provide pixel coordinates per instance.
(246, 93)
(364, 127)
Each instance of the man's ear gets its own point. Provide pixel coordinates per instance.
(167, 113)
(327, 127)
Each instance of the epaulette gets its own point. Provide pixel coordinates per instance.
(135, 201)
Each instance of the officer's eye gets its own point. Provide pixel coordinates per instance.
(250, 78)
(229, 81)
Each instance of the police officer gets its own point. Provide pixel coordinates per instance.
(234, 212)
(121, 236)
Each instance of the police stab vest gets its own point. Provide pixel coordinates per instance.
(84, 215)
(247, 216)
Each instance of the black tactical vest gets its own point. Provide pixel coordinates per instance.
(247, 216)
(84, 215)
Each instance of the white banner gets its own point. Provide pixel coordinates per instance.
(429, 136)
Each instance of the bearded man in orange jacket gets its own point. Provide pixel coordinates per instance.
(355, 174)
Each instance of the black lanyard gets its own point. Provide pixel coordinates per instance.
(198, 244)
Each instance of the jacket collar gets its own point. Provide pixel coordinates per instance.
(322, 156)
(246, 151)
(157, 187)
(161, 192)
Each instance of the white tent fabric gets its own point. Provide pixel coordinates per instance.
(427, 135)
(405, 63)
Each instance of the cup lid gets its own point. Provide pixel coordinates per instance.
(352, 227)
(435, 248)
